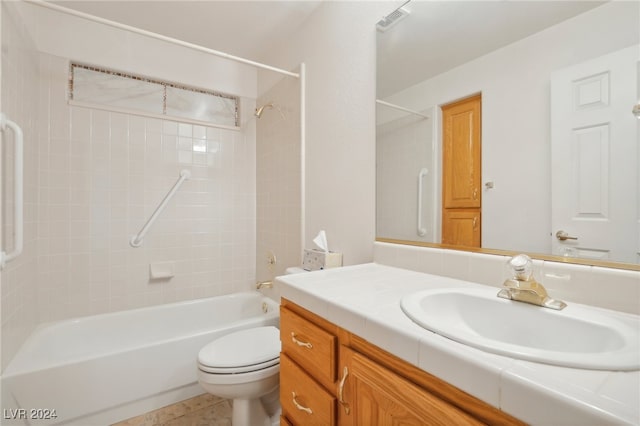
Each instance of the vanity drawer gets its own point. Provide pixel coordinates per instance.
(310, 346)
(304, 402)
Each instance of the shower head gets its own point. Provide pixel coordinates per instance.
(260, 110)
(270, 105)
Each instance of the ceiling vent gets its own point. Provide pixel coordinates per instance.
(392, 19)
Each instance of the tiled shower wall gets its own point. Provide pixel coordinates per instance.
(20, 76)
(278, 180)
(92, 178)
(404, 147)
(103, 173)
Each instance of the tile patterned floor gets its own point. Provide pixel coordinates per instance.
(203, 410)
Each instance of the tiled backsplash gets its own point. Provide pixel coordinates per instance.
(604, 287)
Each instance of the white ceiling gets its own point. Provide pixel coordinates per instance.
(242, 28)
(439, 35)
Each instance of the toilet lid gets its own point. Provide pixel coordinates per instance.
(244, 350)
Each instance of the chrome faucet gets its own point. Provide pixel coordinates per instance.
(523, 287)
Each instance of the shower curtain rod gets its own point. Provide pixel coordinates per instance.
(160, 37)
(398, 107)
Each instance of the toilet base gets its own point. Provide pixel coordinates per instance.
(249, 412)
(271, 404)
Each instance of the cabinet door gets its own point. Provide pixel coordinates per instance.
(374, 396)
(461, 227)
(461, 154)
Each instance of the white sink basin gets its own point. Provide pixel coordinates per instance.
(577, 336)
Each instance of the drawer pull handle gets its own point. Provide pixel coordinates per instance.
(300, 407)
(341, 400)
(299, 342)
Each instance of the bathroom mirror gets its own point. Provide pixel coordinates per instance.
(542, 182)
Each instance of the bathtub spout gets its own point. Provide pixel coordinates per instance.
(264, 284)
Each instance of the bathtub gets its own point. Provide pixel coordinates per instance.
(101, 369)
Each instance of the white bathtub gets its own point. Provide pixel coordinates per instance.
(101, 369)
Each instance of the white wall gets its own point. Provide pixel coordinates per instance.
(515, 133)
(337, 44)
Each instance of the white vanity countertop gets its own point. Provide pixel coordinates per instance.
(365, 299)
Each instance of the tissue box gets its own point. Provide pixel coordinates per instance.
(314, 259)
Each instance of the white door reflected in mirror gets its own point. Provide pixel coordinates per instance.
(594, 158)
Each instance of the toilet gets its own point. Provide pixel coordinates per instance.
(243, 366)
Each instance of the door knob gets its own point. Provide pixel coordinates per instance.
(563, 235)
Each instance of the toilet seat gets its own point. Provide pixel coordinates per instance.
(241, 369)
(242, 351)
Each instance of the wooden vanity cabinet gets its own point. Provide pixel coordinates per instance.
(329, 376)
(376, 396)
